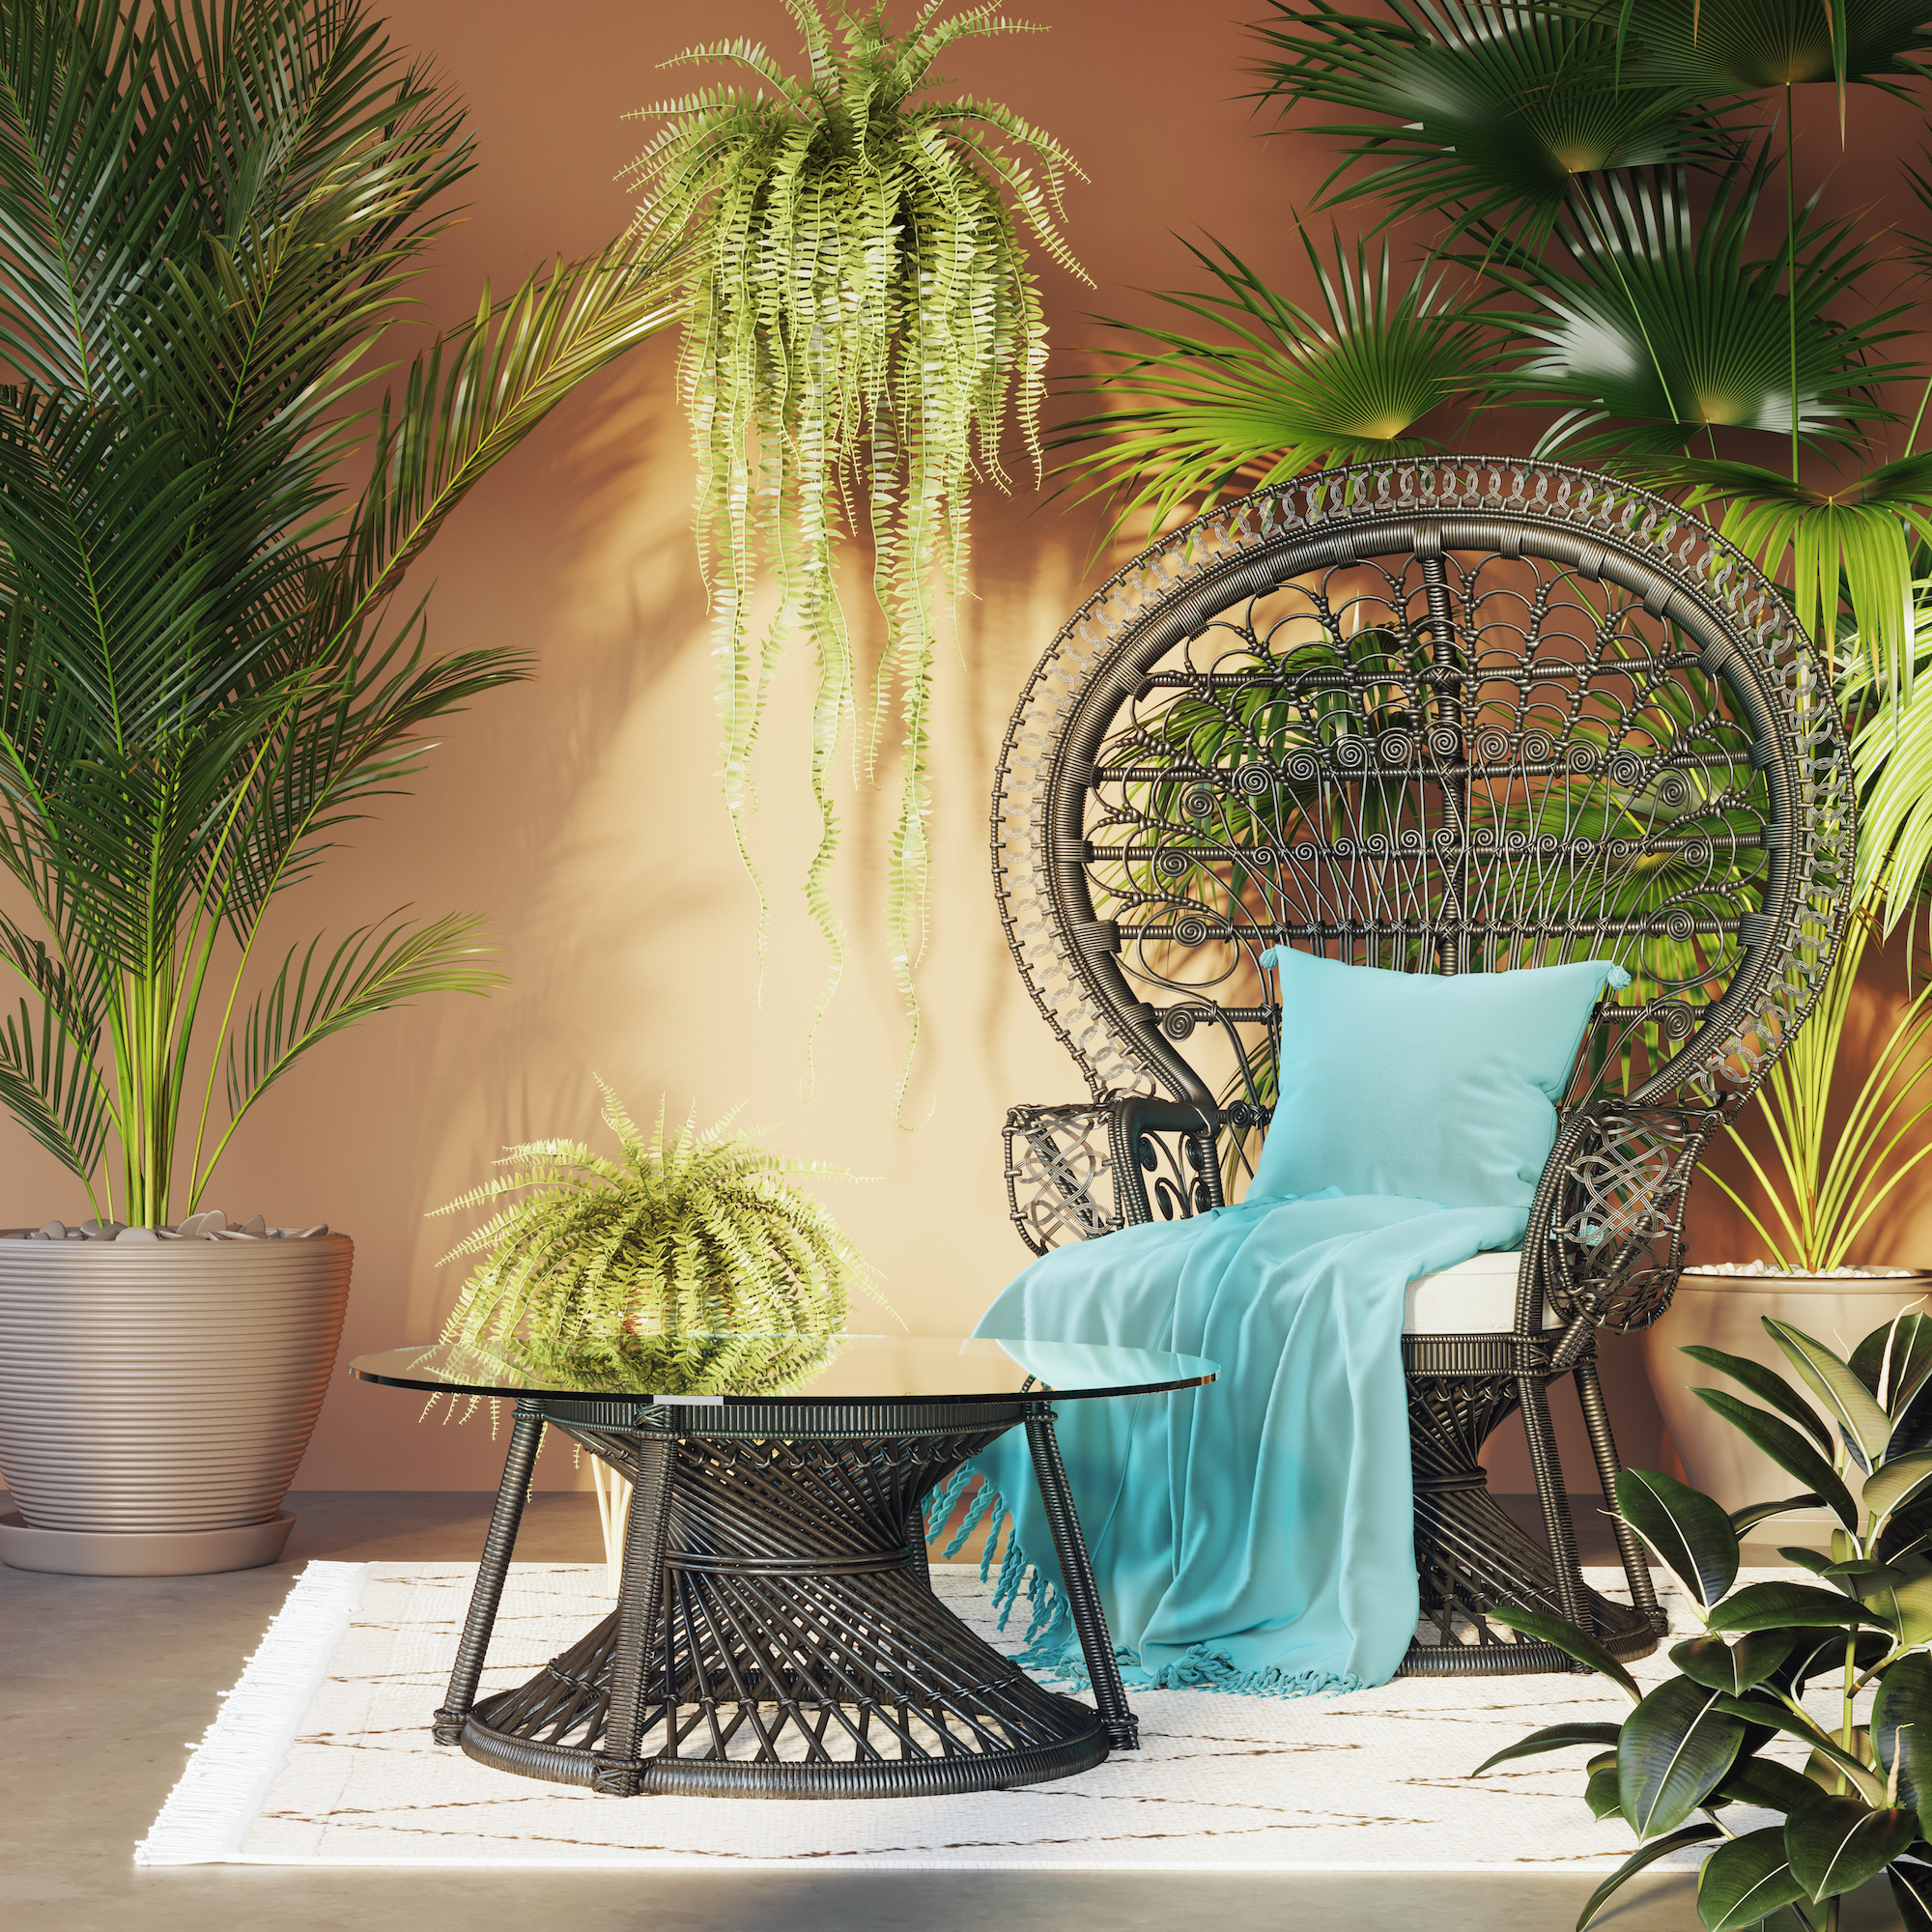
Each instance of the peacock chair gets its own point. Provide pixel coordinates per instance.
(1441, 716)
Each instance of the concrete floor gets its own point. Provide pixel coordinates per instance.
(106, 1678)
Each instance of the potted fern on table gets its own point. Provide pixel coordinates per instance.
(688, 1264)
(209, 220)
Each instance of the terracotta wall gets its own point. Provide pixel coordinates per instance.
(580, 811)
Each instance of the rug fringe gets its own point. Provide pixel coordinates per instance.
(208, 1815)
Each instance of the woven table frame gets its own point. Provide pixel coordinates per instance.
(776, 1634)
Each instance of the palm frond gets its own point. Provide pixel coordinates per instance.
(210, 216)
(1189, 420)
(1489, 112)
(1734, 46)
(1660, 327)
(1857, 541)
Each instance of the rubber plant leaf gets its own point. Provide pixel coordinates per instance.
(1690, 1533)
(1834, 1844)
(1864, 1425)
(1768, 1385)
(1734, 1667)
(1901, 1732)
(1671, 1752)
(1762, 1712)
(1912, 1891)
(1644, 1854)
(1556, 1737)
(1768, 1785)
(1565, 1637)
(1767, 1605)
(1753, 1513)
(1895, 1358)
(1746, 1880)
(1788, 1450)
(1894, 1484)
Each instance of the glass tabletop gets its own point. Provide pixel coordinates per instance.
(721, 1371)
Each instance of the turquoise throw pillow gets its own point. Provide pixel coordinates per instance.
(1437, 1088)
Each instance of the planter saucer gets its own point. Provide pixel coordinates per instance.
(140, 1553)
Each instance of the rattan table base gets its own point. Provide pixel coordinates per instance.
(776, 1634)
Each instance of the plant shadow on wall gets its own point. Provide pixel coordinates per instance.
(211, 223)
(862, 311)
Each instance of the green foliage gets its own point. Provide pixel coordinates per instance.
(1658, 323)
(1558, 142)
(862, 313)
(689, 1255)
(1689, 1750)
(1831, 1170)
(209, 218)
(1189, 420)
(1489, 112)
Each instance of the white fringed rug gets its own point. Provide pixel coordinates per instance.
(321, 1756)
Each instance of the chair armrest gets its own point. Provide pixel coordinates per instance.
(1088, 1168)
(1607, 1225)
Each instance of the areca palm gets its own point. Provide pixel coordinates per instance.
(209, 217)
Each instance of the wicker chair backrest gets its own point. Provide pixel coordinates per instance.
(1453, 717)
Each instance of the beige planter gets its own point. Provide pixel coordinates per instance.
(1727, 1311)
(156, 1397)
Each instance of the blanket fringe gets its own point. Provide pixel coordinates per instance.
(1052, 1645)
(208, 1815)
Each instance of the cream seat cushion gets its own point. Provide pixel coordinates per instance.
(1474, 1297)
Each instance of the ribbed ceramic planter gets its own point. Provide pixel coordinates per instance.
(156, 1397)
(1727, 1311)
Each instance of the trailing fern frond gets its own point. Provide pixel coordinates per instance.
(861, 315)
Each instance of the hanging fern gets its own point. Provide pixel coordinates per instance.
(860, 315)
(687, 1258)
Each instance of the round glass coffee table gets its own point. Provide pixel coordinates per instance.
(776, 1634)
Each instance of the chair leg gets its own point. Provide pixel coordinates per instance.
(1533, 1395)
(1604, 1446)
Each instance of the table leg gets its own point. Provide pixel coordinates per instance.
(525, 1437)
(1076, 1573)
(639, 1613)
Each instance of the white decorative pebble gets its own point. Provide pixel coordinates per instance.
(255, 1224)
(138, 1235)
(53, 1231)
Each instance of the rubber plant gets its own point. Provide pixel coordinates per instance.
(210, 490)
(689, 1257)
(863, 314)
(1856, 1436)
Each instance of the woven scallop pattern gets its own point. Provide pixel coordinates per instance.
(163, 1385)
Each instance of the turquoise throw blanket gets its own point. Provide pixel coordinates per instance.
(1254, 1535)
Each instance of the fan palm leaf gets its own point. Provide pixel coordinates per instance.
(1189, 420)
(1660, 327)
(1731, 46)
(1493, 111)
(1856, 542)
